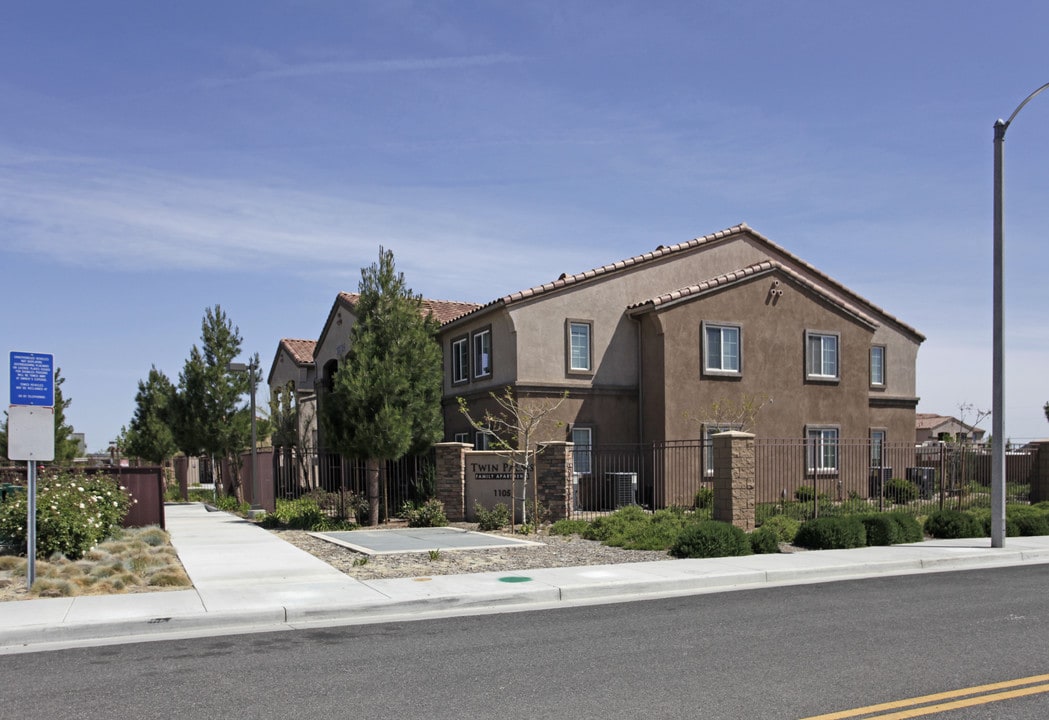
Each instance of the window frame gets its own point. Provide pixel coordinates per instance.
(462, 437)
(875, 383)
(821, 376)
(476, 365)
(705, 328)
(569, 348)
(878, 437)
(481, 440)
(819, 440)
(464, 361)
(709, 431)
(578, 451)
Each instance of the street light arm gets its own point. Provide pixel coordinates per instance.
(1019, 107)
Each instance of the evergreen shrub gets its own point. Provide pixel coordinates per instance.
(784, 526)
(495, 519)
(830, 533)
(711, 538)
(764, 541)
(947, 524)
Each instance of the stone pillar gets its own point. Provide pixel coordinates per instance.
(555, 466)
(734, 479)
(1040, 473)
(450, 479)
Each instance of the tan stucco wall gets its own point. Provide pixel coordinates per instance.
(529, 348)
(773, 356)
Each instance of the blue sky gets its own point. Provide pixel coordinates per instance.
(160, 158)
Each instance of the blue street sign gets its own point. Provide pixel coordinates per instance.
(32, 379)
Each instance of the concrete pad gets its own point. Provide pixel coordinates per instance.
(413, 540)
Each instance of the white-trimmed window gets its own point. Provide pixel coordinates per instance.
(877, 448)
(722, 349)
(878, 366)
(821, 356)
(482, 440)
(460, 360)
(482, 355)
(462, 437)
(579, 346)
(582, 439)
(822, 449)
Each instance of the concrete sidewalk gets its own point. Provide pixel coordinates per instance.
(246, 579)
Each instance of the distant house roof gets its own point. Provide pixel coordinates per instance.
(566, 280)
(301, 351)
(932, 421)
(443, 311)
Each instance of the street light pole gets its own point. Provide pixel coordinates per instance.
(998, 364)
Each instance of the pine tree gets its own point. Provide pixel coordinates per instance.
(65, 446)
(386, 395)
(207, 419)
(150, 436)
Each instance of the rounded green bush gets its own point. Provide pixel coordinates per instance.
(1027, 521)
(764, 541)
(494, 519)
(881, 529)
(830, 533)
(948, 524)
(910, 528)
(429, 514)
(900, 491)
(711, 538)
(784, 526)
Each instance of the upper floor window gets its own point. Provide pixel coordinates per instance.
(821, 356)
(878, 365)
(482, 356)
(462, 437)
(579, 346)
(722, 351)
(822, 449)
(483, 440)
(460, 360)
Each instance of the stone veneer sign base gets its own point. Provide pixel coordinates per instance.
(408, 540)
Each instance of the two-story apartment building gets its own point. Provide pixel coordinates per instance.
(647, 346)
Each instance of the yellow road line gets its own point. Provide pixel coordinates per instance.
(922, 700)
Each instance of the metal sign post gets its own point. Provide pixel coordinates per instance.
(31, 431)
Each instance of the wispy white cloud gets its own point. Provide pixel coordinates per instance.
(276, 69)
(96, 214)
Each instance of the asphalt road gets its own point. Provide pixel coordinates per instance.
(791, 652)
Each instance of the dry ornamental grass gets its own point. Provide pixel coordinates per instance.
(138, 560)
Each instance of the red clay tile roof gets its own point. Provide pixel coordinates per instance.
(765, 267)
(301, 351)
(566, 280)
(442, 310)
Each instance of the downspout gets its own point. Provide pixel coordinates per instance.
(640, 384)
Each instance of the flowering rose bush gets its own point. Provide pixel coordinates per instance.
(73, 514)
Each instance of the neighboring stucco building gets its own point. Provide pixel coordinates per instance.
(646, 346)
(931, 427)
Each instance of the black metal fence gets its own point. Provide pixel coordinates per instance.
(653, 476)
(340, 483)
(809, 477)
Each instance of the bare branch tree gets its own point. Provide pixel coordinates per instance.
(515, 431)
